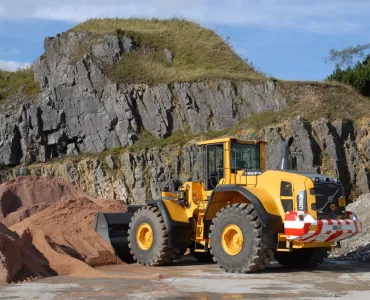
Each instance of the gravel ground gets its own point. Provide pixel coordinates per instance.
(188, 279)
(358, 247)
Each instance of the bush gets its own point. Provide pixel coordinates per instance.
(358, 76)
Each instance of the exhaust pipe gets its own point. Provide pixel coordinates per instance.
(285, 163)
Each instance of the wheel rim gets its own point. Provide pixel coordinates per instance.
(144, 236)
(232, 239)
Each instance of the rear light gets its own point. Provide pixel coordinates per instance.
(342, 201)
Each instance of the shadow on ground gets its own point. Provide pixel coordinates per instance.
(330, 265)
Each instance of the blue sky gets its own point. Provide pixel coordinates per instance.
(287, 39)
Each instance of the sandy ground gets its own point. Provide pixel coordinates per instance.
(188, 279)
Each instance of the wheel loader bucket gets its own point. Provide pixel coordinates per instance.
(113, 228)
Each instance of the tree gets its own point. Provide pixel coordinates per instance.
(348, 56)
(357, 76)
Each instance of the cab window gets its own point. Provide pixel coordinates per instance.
(286, 195)
(245, 157)
(286, 189)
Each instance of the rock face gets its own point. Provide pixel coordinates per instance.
(324, 147)
(321, 147)
(81, 110)
(357, 248)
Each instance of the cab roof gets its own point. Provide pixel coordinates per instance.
(224, 140)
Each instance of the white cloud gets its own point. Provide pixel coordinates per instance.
(13, 65)
(311, 15)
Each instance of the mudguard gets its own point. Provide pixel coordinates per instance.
(179, 232)
(272, 224)
(267, 219)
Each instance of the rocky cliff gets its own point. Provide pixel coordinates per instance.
(81, 111)
(321, 146)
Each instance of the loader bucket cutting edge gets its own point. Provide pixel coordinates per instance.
(113, 228)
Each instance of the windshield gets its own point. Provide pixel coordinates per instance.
(245, 156)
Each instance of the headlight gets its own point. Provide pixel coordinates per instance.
(302, 201)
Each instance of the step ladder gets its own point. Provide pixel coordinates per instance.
(200, 229)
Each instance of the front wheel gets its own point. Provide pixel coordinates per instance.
(236, 234)
(148, 238)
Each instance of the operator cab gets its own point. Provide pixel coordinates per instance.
(224, 157)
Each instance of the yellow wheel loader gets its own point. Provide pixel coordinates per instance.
(240, 215)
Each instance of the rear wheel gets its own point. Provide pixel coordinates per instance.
(148, 238)
(302, 258)
(236, 234)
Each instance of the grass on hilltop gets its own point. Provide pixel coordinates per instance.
(330, 100)
(199, 53)
(11, 82)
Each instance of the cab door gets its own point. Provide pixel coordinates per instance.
(214, 168)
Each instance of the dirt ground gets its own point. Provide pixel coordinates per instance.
(188, 279)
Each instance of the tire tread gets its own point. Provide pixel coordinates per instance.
(165, 255)
(261, 257)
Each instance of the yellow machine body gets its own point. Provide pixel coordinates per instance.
(198, 204)
(236, 212)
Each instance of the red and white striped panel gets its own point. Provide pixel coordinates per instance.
(301, 226)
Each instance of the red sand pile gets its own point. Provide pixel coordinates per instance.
(59, 239)
(19, 259)
(22, 197)
(64, 233)
(10, 254)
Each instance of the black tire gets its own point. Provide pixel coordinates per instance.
(205, 257)
(252, 257)
(159, 253)
(303, 258)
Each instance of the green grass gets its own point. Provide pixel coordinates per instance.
(199, 53)
(11, 82)
(314, 100)
(146, 140)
